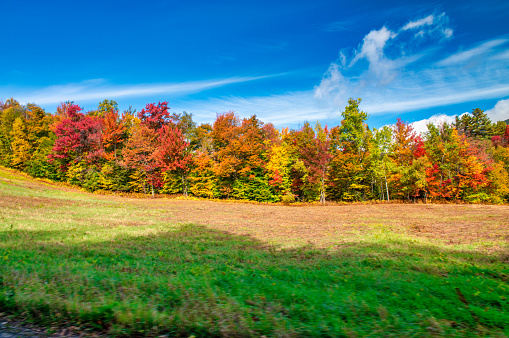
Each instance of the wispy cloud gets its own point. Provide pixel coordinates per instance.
(338, 26)
(467, 55)
(436, 101)
(387, 74)
(427, 21)
(501, 56)
(281, 110)
(395, 78)
(372, 48)
(99, 89)
(390, 76)
(430, 25)
(393, 69)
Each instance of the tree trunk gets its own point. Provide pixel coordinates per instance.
(322, 193)
(386, 188)
(184, 185)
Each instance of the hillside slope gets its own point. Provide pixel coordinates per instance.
(178, 267)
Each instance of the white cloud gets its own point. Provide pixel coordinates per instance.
(294, 108)
(430, 25)
(99, 89)
(447, 32)
(433, 99)
(419, 23)
(392, 80)
(373, 46)
(383, 70)
(282, 110)
(332, 83)
(467, 55)
(422, 126)
(395, 84)
(501, 56)
(386, 75)
(500, 112)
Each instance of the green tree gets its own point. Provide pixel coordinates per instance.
(104, 107)
(477, 125)
(379, 150)
(349, 172)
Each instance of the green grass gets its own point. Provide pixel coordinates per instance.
(115, 266)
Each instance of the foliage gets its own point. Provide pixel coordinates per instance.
(279, 168)
(173, 154)
(288, 198)
(254, 187)
(477, 124)
(140, 154)
(11, 111)
(202, 180)
(350, 150)
(114, 134)
(156, 116)
(106, 106)
(78, 137)
(244, 158)
(114, 177)
(21, 149)
(39, 165)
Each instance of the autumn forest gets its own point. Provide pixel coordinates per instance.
(157, 151)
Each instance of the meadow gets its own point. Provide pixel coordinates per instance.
(179, 267)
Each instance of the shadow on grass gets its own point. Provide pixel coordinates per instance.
(196, 281)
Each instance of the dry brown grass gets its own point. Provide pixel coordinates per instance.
(455, 224)
(314, 224)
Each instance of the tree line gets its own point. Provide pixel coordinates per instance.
(155, 151)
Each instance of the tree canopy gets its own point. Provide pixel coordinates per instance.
(159, 151)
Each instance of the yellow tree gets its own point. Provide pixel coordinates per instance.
(202, 180)
(38, 124)
(21, 148)
(499, 183)
(278, 166)
(11, 110)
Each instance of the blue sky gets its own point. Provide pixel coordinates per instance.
(286, 62)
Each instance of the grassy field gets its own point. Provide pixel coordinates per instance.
(153, 267)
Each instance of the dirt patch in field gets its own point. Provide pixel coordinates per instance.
(16, 202)
(453, 224)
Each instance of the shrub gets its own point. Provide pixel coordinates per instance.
(288, 198)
